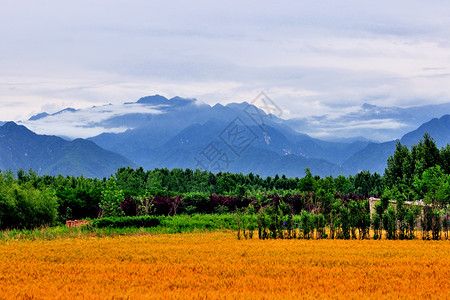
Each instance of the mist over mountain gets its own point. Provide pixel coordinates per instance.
(157, 132)
(375, 155)
(44, 114)
(372, 122)
(177, 137)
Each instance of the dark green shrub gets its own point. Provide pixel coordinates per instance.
(122, 222)
(187, 223)
(22, 206)
(196, 202)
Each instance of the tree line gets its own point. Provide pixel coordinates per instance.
(340, 203)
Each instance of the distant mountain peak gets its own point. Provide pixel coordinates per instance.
(45, 114)
(180, 99)
(68, 109)
(13, 127)
(161, 100)
(242, 105)
(11, 130)
(218, 105)
(155, 100)
(10, 124)
(38, 116)
(368, 106)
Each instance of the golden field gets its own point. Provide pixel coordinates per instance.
(217, 265)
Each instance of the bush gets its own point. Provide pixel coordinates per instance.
(196, 202)
(23, 206)
(186, 223)
(122, 222)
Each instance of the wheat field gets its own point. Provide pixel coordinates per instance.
(218, 265)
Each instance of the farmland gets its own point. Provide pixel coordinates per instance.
(217, 265)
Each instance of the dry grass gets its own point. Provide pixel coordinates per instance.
(217, 265)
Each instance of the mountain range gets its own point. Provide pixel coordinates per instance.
(21, 148)
(370, 121)
(156, 132)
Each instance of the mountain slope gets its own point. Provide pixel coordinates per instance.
(439, 129)
(374, 156)
(159, 132)
(22, 148)
(370, 121)
(187, 126)
(206, 146)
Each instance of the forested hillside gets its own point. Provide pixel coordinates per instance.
(420, 173)
(21, 148)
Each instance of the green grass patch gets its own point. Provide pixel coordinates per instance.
(129, 226)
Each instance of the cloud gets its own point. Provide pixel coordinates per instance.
(87, 122)
(312, 58)
(364, 124)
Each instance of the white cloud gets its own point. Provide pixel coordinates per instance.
(85, 123)
(312, 57)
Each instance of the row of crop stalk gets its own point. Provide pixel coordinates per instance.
(279, 222)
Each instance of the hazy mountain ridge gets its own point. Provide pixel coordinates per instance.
(45, 114)
(374, 156)
(370, 121)
(22, 148)
(438, 128)
(149, 144)
(174, 133)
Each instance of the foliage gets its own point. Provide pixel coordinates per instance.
(111, 199)
(196, 202)
(23, 206)
(121, 222)
(282, 207)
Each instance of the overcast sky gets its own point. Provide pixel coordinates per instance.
(311, 57)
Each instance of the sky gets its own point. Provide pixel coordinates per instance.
(321, 57)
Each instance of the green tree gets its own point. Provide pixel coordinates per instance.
(111, 199)
(433, 186)
(342, 184)
(445, 159)
(390, 223)
(306, 224)
(426, 154)
(307, 183)
(23, 206)
(399, 166)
